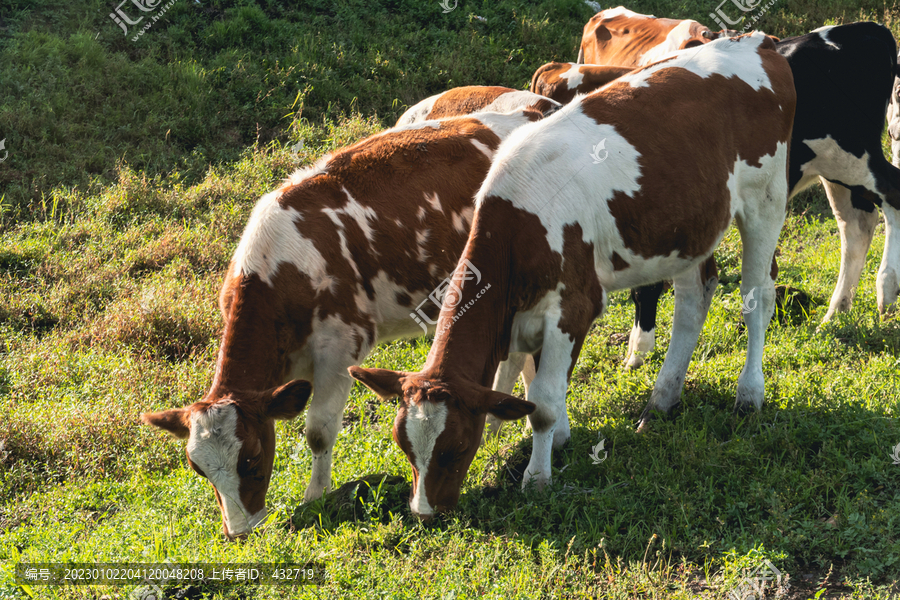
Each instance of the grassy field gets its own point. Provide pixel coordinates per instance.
(132, 169)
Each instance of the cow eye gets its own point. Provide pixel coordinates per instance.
(197, 470)
(445, 458)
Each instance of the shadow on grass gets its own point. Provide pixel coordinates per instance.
(814, 486)
(811, 483)
(374, 497)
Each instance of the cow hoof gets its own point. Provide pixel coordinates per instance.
(886, 308)
(538, 480)
(314, 493)
(647, 417)
(751, 389)
(653, 412)
(538, 483)
(743, 409)
(634, 362)
(644, 424)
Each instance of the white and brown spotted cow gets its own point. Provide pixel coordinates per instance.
(620, 37)
(616, 188)
(475, 98)
(563, 81)
(330, 264)
(844, 76)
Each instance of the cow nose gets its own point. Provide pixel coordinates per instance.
(425, 518)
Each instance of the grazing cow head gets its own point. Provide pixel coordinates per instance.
(439, 427)
(231, 442)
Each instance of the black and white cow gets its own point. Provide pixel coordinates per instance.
(844, 76)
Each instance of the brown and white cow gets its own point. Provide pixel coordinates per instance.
(563, 81)
(615, 188)
(338, 259)
(836, 140)
(620, 37)
(475, 98)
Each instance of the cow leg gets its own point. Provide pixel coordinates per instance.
(888, 282)
(528, 371)
(505, 381)
(563, 432)
(324, 417)
(760, 225)
(856, 227)
(693, 294)
(643, 334)
(548, 392)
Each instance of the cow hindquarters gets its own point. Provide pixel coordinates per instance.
(856, 227)
(693, 295)
(888, 282)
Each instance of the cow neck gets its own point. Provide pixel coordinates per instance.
(472, 346)
(250, 357)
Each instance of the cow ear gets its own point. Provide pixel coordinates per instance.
(506, 407)
(602, 33)
(176, 421)
(387, 384)
(287, 401)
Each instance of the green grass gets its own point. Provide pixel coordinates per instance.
(133, 167)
